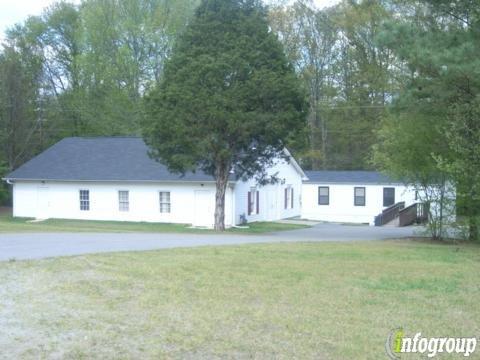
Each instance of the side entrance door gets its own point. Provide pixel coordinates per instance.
(204, 208)
(43, 202)
(271, 205)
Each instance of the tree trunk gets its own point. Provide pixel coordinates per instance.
(221, 180)
(472, 228)
(442, 201)
(324, 143)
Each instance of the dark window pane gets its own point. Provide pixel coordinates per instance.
(323, 195)
(388, 196)
(84, 200)
(164, 201)
(359, 196)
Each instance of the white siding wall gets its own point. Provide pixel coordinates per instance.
(271, 197)
(341, 207)
(61, 200)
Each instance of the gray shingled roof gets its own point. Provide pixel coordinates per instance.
(99, 158)
(348, 177)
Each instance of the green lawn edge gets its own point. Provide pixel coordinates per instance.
(10, 224)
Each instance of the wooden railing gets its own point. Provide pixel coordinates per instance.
(415, 213)
(389, 214)
(408, 216)
(422, 213)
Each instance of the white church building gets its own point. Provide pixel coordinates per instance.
(352, 196)
(113, 178)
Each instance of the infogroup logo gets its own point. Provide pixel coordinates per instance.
(398, 343)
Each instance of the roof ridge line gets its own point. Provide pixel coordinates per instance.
(105, 137)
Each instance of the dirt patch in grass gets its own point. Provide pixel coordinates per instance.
(306, 301)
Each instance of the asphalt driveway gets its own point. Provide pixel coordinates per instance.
(42, 245)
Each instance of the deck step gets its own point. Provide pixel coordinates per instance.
(393, 223)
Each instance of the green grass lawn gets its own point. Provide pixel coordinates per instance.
(9, 224)
(305, 301)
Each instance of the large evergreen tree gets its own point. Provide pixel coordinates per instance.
(440, 42)
(229, 98)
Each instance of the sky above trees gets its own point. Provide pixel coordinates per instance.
(15, 11)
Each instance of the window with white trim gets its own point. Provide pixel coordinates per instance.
(123, 202)
(84, 200)
(164, 197)
(323, 195)
(359, 196)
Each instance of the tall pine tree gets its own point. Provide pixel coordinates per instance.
(229, 98)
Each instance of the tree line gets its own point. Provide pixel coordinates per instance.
(391, 84)
(82, 71)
